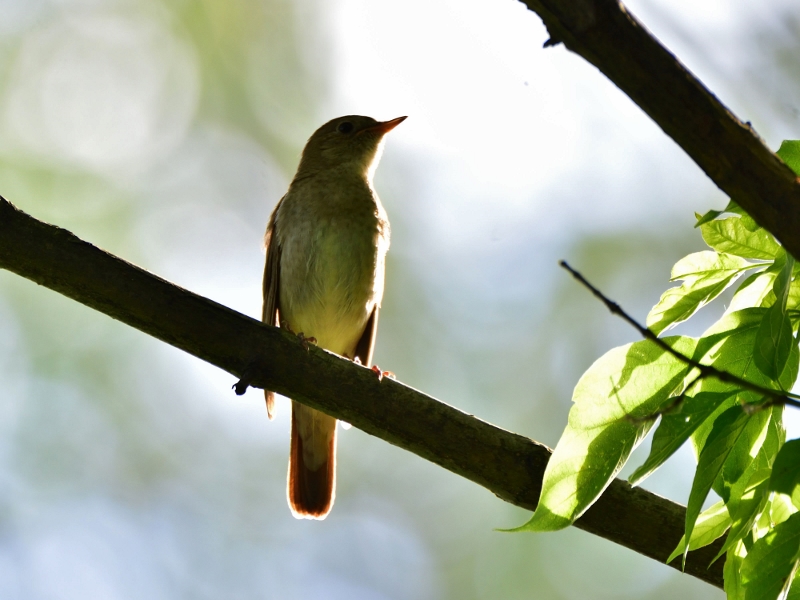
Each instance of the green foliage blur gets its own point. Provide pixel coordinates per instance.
(164, 131)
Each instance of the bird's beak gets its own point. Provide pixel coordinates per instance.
(385, 127)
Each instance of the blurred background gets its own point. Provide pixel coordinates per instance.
(164, 131)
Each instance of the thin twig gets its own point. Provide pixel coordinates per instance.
(776, 397)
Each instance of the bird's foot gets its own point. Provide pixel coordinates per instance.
(249, 373)
(240, 387)
(305, 341)
(381, 374)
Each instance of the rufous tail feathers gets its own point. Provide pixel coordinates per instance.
(312, 463)
(270, 398)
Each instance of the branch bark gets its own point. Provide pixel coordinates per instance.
(509, 465)
(729, 151)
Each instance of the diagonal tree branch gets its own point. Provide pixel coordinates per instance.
(509, 465)
(729, 151)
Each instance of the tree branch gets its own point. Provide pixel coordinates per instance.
(731, 154)
(509, 465)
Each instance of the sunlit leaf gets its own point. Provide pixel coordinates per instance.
(731, 572)
(726, 431)
(635, 380)
(728, 346)
(708, 216)
(733, 236)
(786, 471)
(773, 344)
(705, 275)
(747, 497)
(742, 455)
(710, 525)
(747, 509)
(675, 429)
(771, 561)
(794, 591)
(789, 152)
(753, 290)
(774, 340)
(713, 214)
(749, 222)
(781, 508)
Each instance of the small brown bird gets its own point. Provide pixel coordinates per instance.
(326, 251)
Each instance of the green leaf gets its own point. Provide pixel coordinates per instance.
(789, 376)
(728, 346)
(789, 152)
(705, 275)
(794, 592)
(786, 472)
(747, 497)
(711, 524)
(753, 290)
(781, 508)
(749, 223)
(776, 437)
(747, 509)
(709, 216)
(793, 299)
(771, 561)
(732, 572)
(774, 340)
(733, 236)
(726, 431)
(713, 214)
(636, 380)
(742, 456)
(675, 429)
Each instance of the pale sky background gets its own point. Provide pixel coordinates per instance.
(165, 131)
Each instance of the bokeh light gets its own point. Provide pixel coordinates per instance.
(166, 130)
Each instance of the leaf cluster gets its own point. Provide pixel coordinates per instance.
(737, 434)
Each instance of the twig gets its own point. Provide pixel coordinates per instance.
(776, 397)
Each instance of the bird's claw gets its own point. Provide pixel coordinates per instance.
(305, 341)
(248, 374)
(381, 374)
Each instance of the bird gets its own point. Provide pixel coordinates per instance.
(326, 244)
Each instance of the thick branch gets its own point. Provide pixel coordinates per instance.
(509, 465)
(731, 154)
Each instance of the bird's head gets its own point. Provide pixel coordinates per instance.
(352, 140)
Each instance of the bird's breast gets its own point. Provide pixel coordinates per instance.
(333, 241)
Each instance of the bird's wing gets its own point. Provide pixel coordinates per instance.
(366, 344)
(270, 310)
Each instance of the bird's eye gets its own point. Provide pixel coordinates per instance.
(345, 127)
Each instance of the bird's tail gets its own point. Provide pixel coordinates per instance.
(312, 463)
(270, 398)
